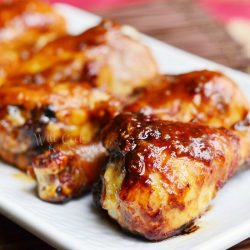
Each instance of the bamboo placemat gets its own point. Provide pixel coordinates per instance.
(181, 23)
(185, 25)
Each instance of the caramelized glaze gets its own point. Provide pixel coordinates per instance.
(161, 175)
(33, 118)
(105, 56)
(25, 27)
(206, 97)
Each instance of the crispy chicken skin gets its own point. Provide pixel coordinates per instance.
(25, 26)
(52, 131)
(233, 101)
(205, 97)
(161, 175)
(50, 117)
(109, 56)
(35, 118)
(68, 170)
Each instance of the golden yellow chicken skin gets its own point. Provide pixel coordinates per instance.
(151, 100)
(25, 27)
(108, 55)
(161, 175)
(34, 119)
(205, 97)
(68, 170)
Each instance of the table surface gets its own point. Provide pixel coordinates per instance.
(181, 23)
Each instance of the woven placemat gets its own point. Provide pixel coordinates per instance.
(184, 24)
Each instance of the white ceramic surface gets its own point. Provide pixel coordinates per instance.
(77, 224)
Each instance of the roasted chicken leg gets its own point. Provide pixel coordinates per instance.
(25, 27)
(184, 91)
(109, 56)
(205, 97)
(68, 170)
(47, 107)
(35, 118)
(161, 175)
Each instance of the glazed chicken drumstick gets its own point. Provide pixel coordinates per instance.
(25, 27)
(109, 56)
(47, 103)
(206, 97)
(161, 175)
(35, 118)
(173, 98)
(56, 117)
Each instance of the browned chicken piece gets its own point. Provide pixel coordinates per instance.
(109, 56)
(68, 170)
(205, 97)
(35, 118)
(161, 175)
(25, 26)
(37, 115)
(187, 89)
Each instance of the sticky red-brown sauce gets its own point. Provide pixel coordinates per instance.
(139, 141)
(200, 96)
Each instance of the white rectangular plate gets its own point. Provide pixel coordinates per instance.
(77, 224)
